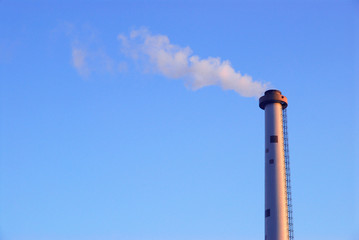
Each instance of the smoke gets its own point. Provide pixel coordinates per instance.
(178, 62)
(92, 59)
(79, 61)
(88, 53)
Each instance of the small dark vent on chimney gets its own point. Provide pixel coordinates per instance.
(267, 212)
(274, 139)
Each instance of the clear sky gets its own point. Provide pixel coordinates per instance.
(97, 144)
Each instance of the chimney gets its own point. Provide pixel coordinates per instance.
(276, 201)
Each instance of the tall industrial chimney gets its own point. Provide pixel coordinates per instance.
(277, 217)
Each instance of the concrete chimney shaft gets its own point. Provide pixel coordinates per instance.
(276, 208)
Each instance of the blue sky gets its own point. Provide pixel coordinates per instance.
(98, 145)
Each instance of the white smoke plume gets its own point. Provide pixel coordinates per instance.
(178, 62)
